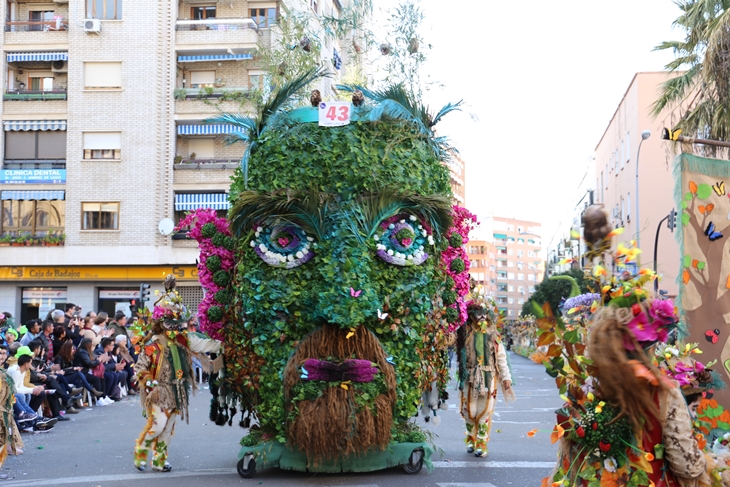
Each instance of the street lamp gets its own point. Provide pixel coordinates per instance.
(644, 135)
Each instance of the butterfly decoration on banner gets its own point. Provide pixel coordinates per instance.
(719, 188)
(712, 233)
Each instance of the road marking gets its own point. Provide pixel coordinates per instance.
(482, 464)
(146, 477)
(518, 422)
(463, 484)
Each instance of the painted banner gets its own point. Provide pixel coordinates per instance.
(704, 209)
(33, 176)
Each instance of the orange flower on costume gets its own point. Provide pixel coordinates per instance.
(701, 441)
(149, 350)
(179, 374)
(557, 433)
(531, 433)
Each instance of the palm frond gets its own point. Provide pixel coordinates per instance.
(445, 110)
(285, 93)
(307, 210)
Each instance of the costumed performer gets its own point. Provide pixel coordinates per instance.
(634, 426)
(165, 374)
(482, 365)
(10, 440)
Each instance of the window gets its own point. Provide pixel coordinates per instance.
(510, 252)
(520, 253)
(313, 4)
(202, 12)
(510, 264)
(202, 148)
(35, 145)
(40, 16)
(519, 266)
(623, 210)
(628, 206)
(103, 75)
(510, 275)
(264, 17)
(36, 218)
(521, 301)
(510, 312)
(501, 275)
(502, 287)
(510, 300)
(104, 9)
(100, 216)
(103, 145)
(531, 277)
(502, 299)
(40, 81)
(601, 186)
(510, 288)
(628, 147)
(201, 79)
(520, 277)
(521, 289)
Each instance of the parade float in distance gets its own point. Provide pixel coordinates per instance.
(334, 281)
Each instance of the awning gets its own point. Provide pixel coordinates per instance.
(212, 57)
(37, 56)
(206, 129)
(500, 236)
(25, 125)
(215, 201)
(33, 195)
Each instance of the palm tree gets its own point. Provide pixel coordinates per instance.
(701, 89)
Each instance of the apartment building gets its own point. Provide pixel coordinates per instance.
(104, 139)
(457, 179)
(616, 174)
(519, 262)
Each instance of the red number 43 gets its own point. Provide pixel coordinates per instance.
(343, 116)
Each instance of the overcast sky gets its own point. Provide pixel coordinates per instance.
(544, 79)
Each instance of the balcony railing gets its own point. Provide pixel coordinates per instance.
(206, 163)
(216, 24)
(35, 95)
(34, 164)
(36, 25)
(213, 92)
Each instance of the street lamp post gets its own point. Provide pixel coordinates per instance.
(644, 135)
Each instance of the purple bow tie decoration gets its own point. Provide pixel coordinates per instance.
(354, 370)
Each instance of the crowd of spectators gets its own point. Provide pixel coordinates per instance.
(65, 363)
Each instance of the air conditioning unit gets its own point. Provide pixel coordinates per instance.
(59, 67)
(92, 25)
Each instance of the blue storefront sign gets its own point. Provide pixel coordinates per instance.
(33, 176)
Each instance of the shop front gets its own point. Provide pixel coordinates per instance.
(30, 292)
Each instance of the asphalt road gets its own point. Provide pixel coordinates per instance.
(95, 449)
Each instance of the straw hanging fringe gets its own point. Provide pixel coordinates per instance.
(332, 426)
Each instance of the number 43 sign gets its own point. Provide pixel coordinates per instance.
(334, 113)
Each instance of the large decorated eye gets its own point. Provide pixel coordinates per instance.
(282, 246)
(402, 241)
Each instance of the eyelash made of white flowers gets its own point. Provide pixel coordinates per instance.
(402, 242)
(283, 245)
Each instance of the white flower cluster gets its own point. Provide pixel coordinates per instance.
(280, 260)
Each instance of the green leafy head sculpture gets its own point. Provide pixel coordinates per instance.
(334, 320)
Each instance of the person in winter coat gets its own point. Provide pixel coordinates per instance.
(86, 359)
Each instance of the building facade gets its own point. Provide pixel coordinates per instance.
(519, 262)
(104, 139)
(457, 179)
(616, 159)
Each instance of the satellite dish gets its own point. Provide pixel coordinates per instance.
(166, 226)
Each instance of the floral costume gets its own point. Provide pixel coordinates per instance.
(482, 366)
(9, 435)
(165, 373)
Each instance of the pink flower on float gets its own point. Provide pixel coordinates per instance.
(158, 312)
(642, 330)
(663, 311)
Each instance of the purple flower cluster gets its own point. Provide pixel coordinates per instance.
(354, 370)
(584, 300)
(196, 220)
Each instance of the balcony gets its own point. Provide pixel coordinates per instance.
(34, 164)
(37, 31)
(31, 95)
(196, 164)
(236, 33)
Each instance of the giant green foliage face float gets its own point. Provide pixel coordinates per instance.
(338, 299)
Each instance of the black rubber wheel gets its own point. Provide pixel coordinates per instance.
(250, 471)
(410, 468)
